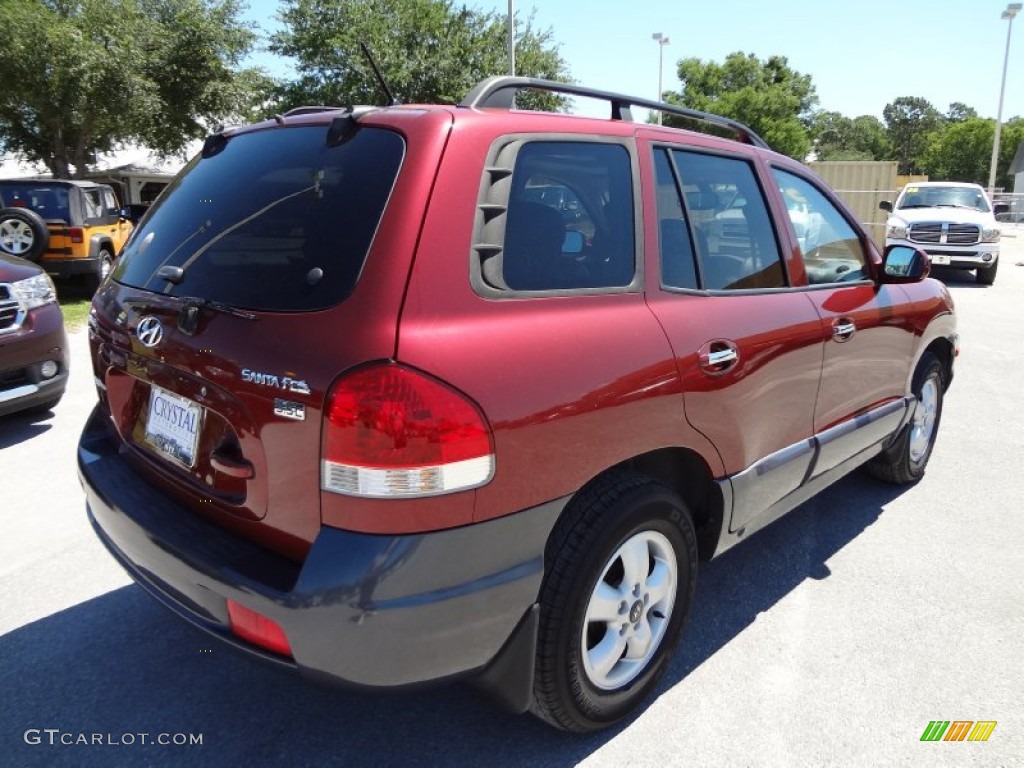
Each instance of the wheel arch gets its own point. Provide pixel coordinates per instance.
(945, 350)
(686, 472)
(98, 243)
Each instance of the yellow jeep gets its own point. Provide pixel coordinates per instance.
(69, 227)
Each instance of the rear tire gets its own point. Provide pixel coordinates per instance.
(622, 567)
(905, 462)
(23, 233)
(987, 276)
(106, 266)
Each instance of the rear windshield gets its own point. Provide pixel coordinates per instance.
(276, 220)
(48, 200)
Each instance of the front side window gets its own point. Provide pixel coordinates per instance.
(110, 203)
(274, 220)
(735, 241)
(831, 250)
(569, 219)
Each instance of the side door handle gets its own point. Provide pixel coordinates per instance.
(843, 329)
(717, 357)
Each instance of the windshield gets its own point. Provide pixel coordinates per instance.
(276, 220)
(936, 197)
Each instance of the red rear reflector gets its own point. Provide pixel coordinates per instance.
(77, 234)
(258, 629)
(392, 431)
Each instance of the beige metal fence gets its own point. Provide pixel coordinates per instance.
(862, 186)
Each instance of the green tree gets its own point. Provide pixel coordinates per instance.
(869, 136)
(909, 121)
(428, 51)
(959, 112)
(769, 96)
(960, 152)
(837, 137)
(963, 151)
(83, 76)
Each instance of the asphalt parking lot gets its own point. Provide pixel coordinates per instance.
(831, 638)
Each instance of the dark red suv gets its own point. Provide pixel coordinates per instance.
(410, 394)
(33, 342)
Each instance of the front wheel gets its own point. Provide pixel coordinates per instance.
(987, 276)
(622, 566)
(905, 462)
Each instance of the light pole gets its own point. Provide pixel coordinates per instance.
(511, 42)
(662, 41)
(1012, 9)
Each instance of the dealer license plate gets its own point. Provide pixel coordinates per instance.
(940, 258)
(173, 425)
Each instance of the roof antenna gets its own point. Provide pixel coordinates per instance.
(392, 101)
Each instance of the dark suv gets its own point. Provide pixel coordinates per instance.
(33, 344)
(399, 395)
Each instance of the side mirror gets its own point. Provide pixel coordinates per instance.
(573, 242)
(124, 213)
(885, 205)
(903, 264)
(1001, 208)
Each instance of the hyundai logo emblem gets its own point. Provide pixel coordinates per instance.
(149, 331)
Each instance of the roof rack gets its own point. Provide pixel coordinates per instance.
(499, 92)
(311, 110)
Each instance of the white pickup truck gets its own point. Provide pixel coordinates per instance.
(953, 222)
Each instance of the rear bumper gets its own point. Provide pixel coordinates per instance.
(364, 610)
(64, 268)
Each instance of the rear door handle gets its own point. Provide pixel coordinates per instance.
(717, 357)
(843, 329)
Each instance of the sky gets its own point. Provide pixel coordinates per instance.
(860, 56)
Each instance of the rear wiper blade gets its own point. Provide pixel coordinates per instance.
(219, 306)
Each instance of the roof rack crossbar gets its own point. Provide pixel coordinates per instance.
(498, 92)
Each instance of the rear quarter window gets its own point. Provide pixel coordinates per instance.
(276, 220)
(568, 220)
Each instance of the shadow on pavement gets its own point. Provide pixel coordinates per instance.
(959, 278)
(120, 663)
(21, 427)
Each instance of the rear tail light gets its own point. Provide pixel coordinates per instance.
(77, 234)
(391, 432)
(258, 629)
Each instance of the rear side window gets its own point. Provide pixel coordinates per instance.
(678, 266)
(276, 220)
(731, 227)
(569, 220)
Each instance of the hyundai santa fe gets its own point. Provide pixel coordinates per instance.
(403, 395)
